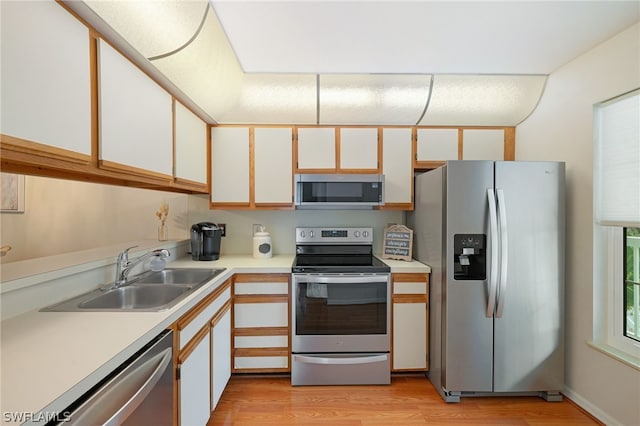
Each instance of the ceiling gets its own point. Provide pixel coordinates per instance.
(441, 37)
(358, 62)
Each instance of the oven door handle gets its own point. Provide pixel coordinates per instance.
(369, 359)
(359, 279)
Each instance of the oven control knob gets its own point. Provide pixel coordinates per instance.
(357, 234)
(310, 234)
(302, 234)
(365, 234)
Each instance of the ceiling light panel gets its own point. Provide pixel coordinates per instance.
(483, 100)
(152, 27)
(372, 98)
(206, 70)
(274, 99)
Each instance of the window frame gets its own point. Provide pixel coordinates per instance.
(609, 309)
(625, 283)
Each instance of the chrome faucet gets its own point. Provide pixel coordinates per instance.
(124, 265)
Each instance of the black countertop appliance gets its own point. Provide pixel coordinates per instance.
(205, 241)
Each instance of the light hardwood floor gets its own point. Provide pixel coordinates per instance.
(409, 400)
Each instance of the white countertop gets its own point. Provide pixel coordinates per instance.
(49, 359)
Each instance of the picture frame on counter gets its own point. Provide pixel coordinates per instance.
(397, 243)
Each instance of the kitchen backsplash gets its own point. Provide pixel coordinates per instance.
(62, 216)
(281, 224)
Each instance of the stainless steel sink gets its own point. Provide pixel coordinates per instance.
(136, 297)
(177, 276)
(150, 291)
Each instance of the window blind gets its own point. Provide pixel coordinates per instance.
(617, 160)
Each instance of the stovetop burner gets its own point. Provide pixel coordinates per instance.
(372, 265)
(336, 250)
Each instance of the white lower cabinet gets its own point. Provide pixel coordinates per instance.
(195, 404)
(261, 323)
(204, 356)
(410, 317)
(220, 355)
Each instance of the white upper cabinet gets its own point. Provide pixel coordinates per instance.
(46, 89)
(437, 145)
(316, 148)
(359, 149)
(273, 166)
(135, 116)
(319, 152)
(483, 144)
(230, 165)
(190, 146)
(397, 166)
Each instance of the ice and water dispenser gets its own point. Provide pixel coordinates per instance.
(469, 257)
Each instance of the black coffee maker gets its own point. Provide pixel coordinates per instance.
(205, 241)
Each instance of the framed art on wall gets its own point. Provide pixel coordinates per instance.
(11, 193)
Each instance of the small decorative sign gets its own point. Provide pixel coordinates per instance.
(398, 243)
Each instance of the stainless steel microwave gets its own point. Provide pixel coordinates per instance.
(338, 191)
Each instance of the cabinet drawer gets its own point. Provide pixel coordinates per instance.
(261, 362)
(261, 288)
(261, 315)
(409, 288)
(261, 341)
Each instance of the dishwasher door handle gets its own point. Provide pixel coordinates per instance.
(136, 399)
(113, 403)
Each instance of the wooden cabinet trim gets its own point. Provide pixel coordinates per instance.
(396, 206)
(337, 147)
(193, 343)
(196, 310)
(261, 331)
(220, 314)
(252, 167)
(260, 352)
(130, 170)
(261, 298)
(260, 278)
(510, 144)
(410, 298)
(196, 186)
(410, 277)
(46, 152)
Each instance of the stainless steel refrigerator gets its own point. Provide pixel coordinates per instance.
(493, 234)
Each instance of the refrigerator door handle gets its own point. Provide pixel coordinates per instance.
(493, 274)
(502, 215)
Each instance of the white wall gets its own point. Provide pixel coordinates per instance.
(561, 129)
(63, 216)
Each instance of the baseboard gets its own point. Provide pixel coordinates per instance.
(589, 408)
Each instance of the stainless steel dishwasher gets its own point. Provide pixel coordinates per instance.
(138, 392)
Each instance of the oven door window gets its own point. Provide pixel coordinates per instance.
(341, 308)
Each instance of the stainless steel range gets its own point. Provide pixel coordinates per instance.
(340, 309)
